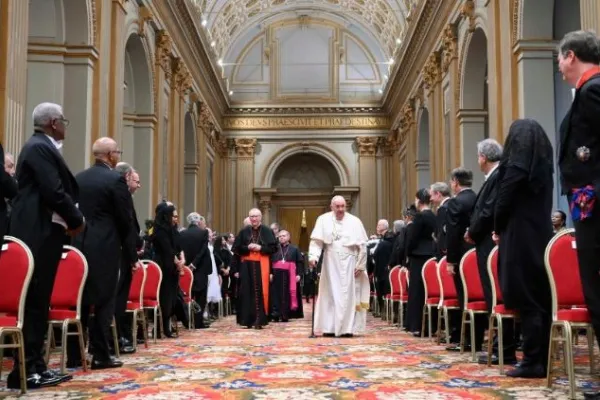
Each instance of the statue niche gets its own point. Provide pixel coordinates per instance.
(306, 172)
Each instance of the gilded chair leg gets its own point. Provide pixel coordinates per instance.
(155, 327)
(49, 340)
(569, 360)
(551, 351)
(473, 352)
(499, 333)
(144, 328)
(21, 349)
(447, 325)
(491, 329)
(463, 322)
(439, 327)
(81, 344)
(63, 347)
(391, 321)
(423, 318)
(430, 322)
(134, 329)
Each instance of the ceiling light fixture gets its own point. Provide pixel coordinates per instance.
(398, 41)
(386, 77)
(213, 43)
(204, 22)
(391, 61)
(220, 62)
(231, 92)
(380, 91)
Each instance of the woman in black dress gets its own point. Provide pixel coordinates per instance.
(419, 248)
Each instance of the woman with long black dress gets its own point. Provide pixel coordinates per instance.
(522, 231)
(419, 248)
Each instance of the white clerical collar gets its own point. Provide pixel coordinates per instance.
(491, 171)
(56, 143)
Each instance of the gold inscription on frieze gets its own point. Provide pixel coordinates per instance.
(337, 122)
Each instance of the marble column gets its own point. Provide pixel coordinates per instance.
(102, 69)
(395, 181)
(161, 76)
(472, 123)
(14, 28)
(367, 206)
(202, 129)
(450, 69)
(143, 131)
(244, 148)
(117, 70)
(590, 14)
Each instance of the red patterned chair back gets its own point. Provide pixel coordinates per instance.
(430, 279)
(16, 268)
(394, 278)
(403, 278)
(70, 280)
(136, 290)
(186, 280)
(562, 268)
(446, 280)
(469, 273)
(153, 281)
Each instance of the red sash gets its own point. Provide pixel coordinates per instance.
(264, 271)
(291, 267)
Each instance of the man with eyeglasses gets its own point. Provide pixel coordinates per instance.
(44, 212)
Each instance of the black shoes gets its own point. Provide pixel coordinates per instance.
(592, 395)
(507, 360)
(528, 372)
(47, 378)
(105, 364)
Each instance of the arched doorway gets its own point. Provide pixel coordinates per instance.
(138, 126)
(474, 121)
(58, 75)
(422, 163)
(191, 166)
(304, 181)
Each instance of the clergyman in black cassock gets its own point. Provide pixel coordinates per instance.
(288, 268)
(105, 201)
(254, 245)
(43, 210)
(523, 229)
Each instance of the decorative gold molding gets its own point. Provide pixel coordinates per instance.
(163, 52)
(204, 118)
(245, 147)
(367, 146)
(431, 71)
(307, 110)
(467, 10)
(516, 19)
(145, 15)
(450, 48)
(306, 122)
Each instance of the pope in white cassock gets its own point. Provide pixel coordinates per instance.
(343, 301)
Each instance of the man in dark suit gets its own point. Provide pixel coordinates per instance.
(125, 275)
(44, 211)
(480, 232)
(106, 203)
(579, 159)
(194, 243)
(440, 194)
(8, 189)
(458, 217)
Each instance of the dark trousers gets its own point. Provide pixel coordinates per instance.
(123, 320)
(37, 303)
(587, 235)
(483, 250)
(168, 297)
(200, 297)
(416, 294)
(535, 327)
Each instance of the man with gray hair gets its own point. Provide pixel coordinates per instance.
(44, 211)
(440, 194)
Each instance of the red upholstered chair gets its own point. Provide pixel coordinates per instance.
(567, 296)
(65, 304)
(499, 311)
(16, 268)
(448, 299)
(151, 300)
(403, 277)
(474, 298)
(394, 295)
(135, 305)
(432, 293)
(186, 281)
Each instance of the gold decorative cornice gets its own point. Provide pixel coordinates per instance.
(263, 111)
(221, 146)
(516, 18)
(389, 145)
(204, 118)
(245, 147)
(431, 71)
(145, 15)
(407, 121)
(467, 10)
(163, 52)
(450, 47)
(182, 77)
(305, 122)
(367, 146)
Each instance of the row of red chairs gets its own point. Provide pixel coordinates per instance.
(16, 269)
(568, 313)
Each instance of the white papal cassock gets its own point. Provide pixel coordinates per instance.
(343, 299)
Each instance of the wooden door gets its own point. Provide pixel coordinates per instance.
(290, 219)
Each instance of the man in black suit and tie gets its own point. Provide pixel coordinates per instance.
(458, 217)
(480, 232)
(579, 160)
(194, 243)
(440, 194)
(106, 203)
(125, 275)
(44, 211)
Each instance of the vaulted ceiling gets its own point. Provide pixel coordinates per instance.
(286, 52)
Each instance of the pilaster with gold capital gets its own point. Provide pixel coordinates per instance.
(450, 47)
(367, 179)
(245, 147)
(431, 71)
(367, 146)
(163, 52)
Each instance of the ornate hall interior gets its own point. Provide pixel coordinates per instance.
(226, 105)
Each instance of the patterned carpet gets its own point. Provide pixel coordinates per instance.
(281, 362)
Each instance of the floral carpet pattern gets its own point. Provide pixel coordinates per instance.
(282, 362)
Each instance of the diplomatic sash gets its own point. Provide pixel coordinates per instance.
(264, 271)
(291, 268)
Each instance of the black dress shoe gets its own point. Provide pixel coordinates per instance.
(126, 350)
(329, 335)
(507, 360)
(456, 347)
(347, 335)
(592, 395)
(527, 372)
(105, 364)
(33, 381)
(49, 374)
